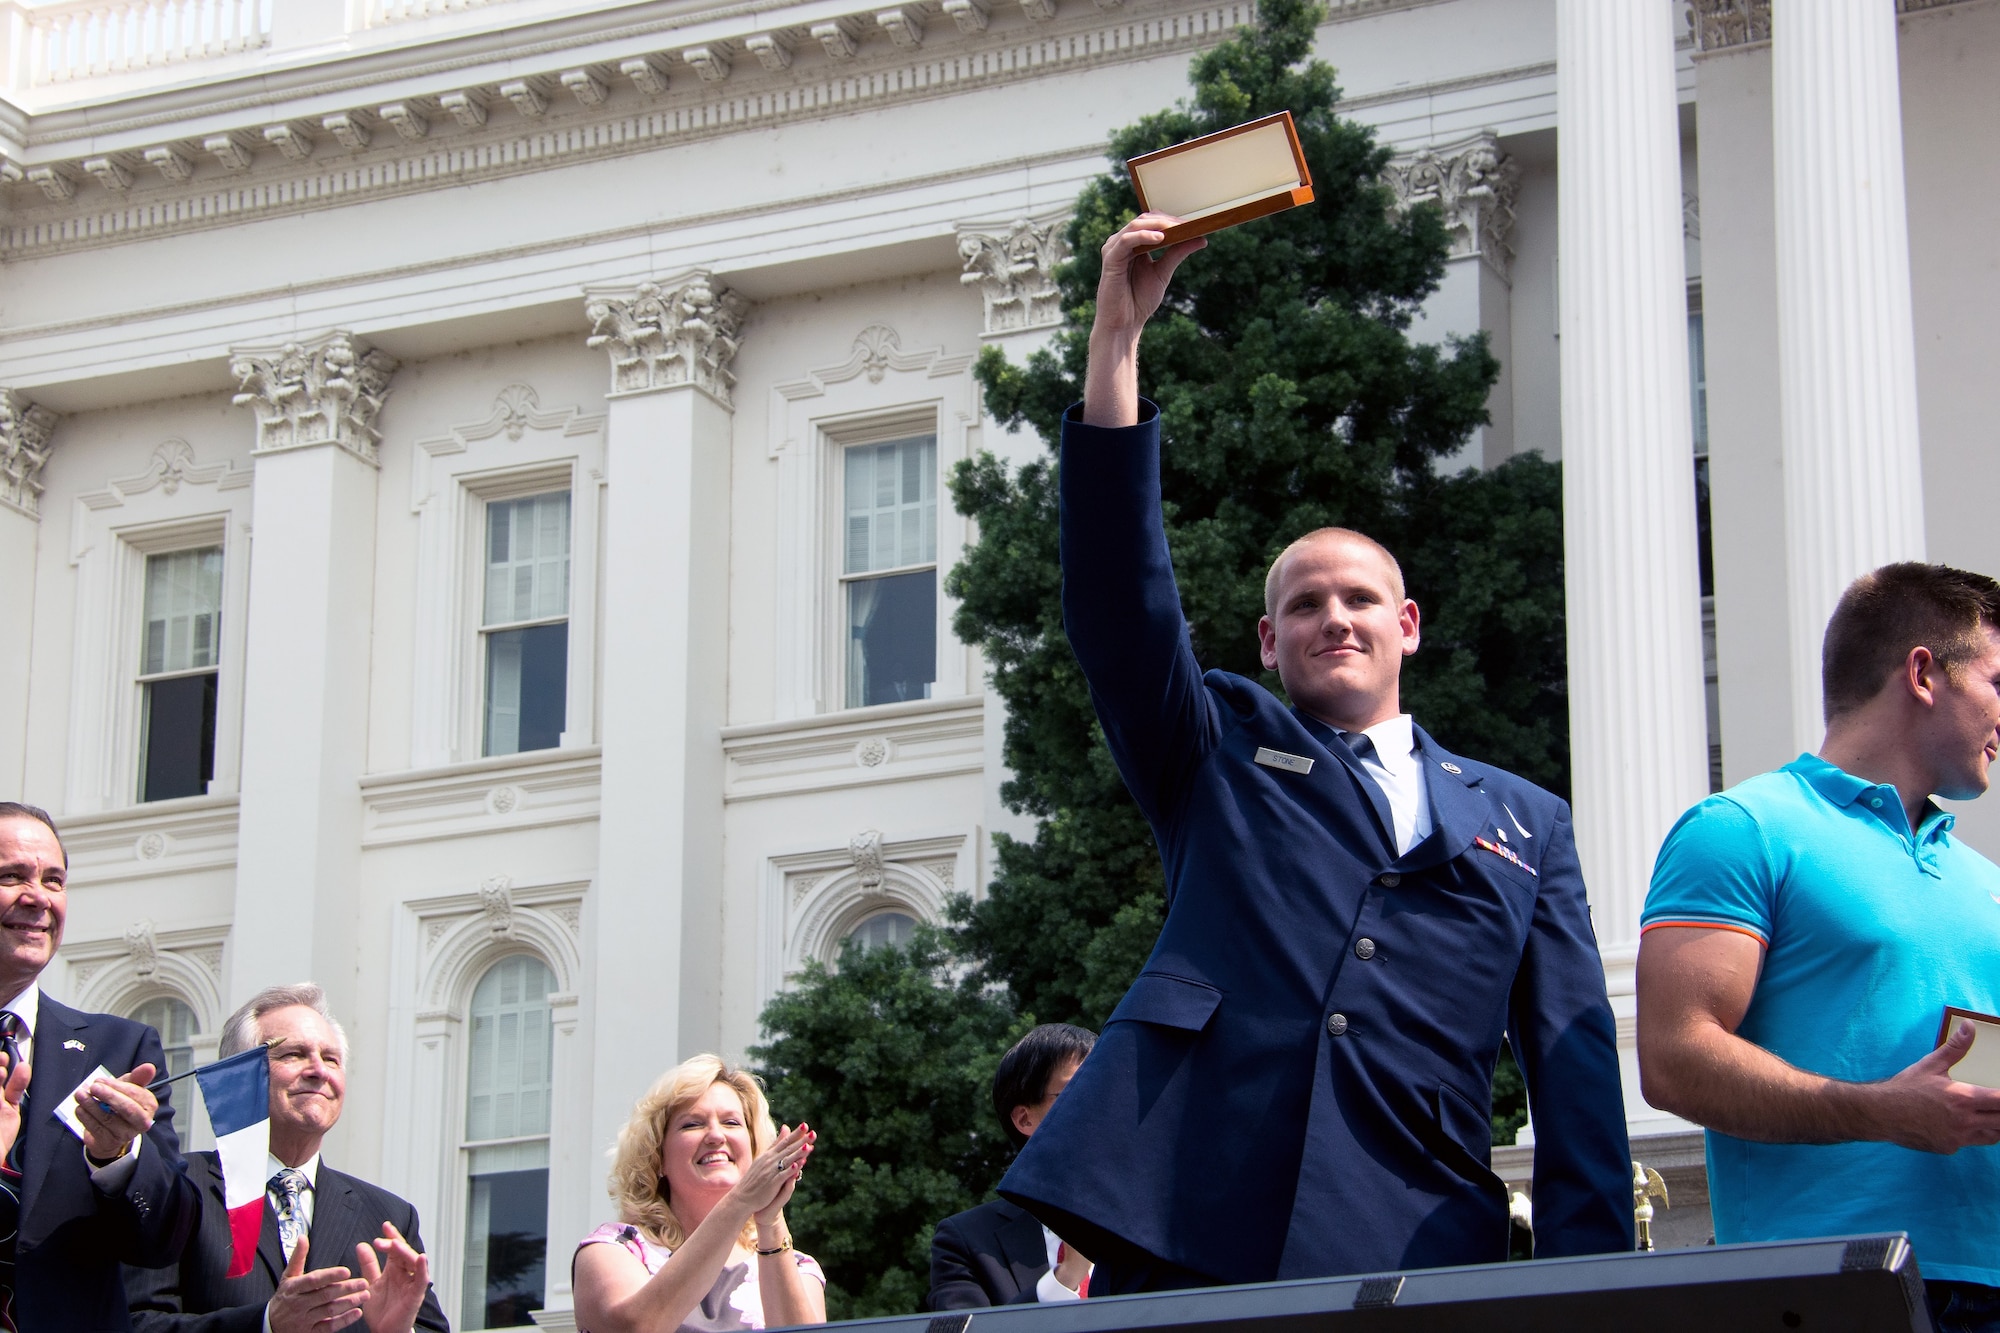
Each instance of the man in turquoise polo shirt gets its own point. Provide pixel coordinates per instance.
(1806, 929)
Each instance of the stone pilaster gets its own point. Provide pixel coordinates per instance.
(662, 334)
(1474, 183)
(327, 391)
(1013, 265)
(1847, 374)
(666, 543)
(27, 434)
(1638, 743)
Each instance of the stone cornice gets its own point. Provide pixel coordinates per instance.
(290, 160)
(1728, 25)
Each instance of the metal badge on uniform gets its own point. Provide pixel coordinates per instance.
(1291, 763)
(1449, 767)
(72, 1045)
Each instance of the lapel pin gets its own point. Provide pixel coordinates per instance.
(1450, 767)
(1291, 763)
(72, 1045)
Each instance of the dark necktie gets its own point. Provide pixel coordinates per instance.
(1361, 743)
(12, 1031)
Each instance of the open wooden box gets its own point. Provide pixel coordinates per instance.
(1248, 171)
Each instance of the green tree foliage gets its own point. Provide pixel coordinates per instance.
(890, 1059)
(1292, 398)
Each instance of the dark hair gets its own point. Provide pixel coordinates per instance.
(1024, 1073)
(1883, 615)
(16, 810)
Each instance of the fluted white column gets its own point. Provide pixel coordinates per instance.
(1846, 351)
(1638, 738)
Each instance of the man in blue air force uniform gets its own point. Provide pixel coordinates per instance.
(1299, 1082)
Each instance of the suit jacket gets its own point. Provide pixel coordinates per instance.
(1299, 1082)
(194, 1296)
(73, 1236)
(990, 1255)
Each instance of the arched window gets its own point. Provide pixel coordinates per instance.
(892, 928)
(508, 1086)
(175, 1023)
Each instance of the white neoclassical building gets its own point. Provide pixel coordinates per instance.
(471, 471)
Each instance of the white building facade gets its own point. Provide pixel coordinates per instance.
(472, 476)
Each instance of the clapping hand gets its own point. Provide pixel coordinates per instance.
(767, 1186)
(12, 1090)
(396, 1284)
(323, 1301)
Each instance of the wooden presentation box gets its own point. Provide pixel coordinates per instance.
(1248, 171)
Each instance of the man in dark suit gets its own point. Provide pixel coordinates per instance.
(1299, 1082)
(108, 1187)
(997, 1253)
(309, 1208)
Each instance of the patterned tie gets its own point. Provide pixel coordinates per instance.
(289, 1190)
(12, 1030)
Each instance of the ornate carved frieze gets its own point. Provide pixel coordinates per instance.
(661, 334)
(866, 851)
(1474, 183)
(328, 391)
(1013, 265)
(496, 902)
(27, 433)
(1722, 24)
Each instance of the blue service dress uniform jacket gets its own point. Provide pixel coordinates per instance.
(1299, 1082)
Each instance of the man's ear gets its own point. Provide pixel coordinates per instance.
(1024, 1119)
(1413, 634)
(1267, 643)
(1921, 673)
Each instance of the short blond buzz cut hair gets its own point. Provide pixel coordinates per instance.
(1321, 534)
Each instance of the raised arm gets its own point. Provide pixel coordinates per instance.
(1695, 984)
(1129, 290)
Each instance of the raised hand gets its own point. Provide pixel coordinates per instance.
(1129, 290)
(396, 1283)
(115, 1111)
(774, 1173)
(323, 1301)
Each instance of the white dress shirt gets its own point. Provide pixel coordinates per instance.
(1049, 1287)
(1399, 772)
(113, 1176)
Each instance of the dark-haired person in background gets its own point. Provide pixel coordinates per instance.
(997, 1254)
(1805, 931)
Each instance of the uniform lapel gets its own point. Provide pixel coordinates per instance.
(1370, 791)
(1459, 809)
(57, 1071)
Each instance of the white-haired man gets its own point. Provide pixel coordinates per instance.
(310, 1208)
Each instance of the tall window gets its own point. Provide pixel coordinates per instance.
(1704, 535)
(174, 1021)
(507, 1144)
(526, 623)
(177, 669)
(890, 570)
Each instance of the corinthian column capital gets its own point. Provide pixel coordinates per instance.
(1474, 183)
(326, 391)
(682, 330)
(1013, 264)
(27, 434)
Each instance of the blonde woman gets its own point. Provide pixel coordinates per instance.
(701, 1177)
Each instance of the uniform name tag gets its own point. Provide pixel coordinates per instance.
(1291, 763)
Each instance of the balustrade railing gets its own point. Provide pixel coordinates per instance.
(86, 39)
(380, 12)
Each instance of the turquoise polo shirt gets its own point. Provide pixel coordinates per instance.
(1869, 932)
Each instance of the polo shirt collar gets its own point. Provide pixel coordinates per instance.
(1844, 789)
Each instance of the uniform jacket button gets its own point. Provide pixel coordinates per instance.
(1336, 1025)
(1364, 948)
(1390, 880)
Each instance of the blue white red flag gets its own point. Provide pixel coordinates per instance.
(237, 1092)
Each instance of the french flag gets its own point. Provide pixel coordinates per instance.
(237, 1092)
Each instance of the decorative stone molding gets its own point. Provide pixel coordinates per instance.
(1725, 23)
(27, 435)
(1013, 265)
(866, 849)
(328, 391)
(661, 334)
(814, 898)
(118, 974)
(1474, 183)
(543, 788)
(496, 898)
(142, 949)
(925, 738)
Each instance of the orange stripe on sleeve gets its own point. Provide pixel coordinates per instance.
(1708, 925)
